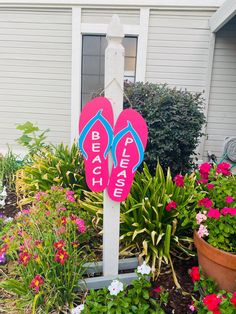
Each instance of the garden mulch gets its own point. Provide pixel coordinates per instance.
(178, 299)
(10, 209)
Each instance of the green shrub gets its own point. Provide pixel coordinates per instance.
(49, 243)
(174, 119)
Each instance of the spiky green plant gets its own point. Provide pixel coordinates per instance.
(146, 225)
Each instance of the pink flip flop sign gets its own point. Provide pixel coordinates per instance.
(130, 139)
(127, 146)
(96, 135)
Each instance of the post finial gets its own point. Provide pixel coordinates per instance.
(115, 28)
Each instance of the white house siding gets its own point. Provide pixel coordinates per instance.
(103, 16)
(35, 72)
(178, 48)
(222, 104)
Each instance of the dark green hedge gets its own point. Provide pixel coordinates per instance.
(175, 121)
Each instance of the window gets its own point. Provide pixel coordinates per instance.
(93, 55)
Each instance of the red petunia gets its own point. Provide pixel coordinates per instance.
(223, 168)
(210, 186)
(171, 205)
(179, 180)
(212, 302)
(233, 299)
(59, 245)
(205, 202)
(157, 289)
(24, 258)
(204, 170)
(61, 256)
(214, 213)
(229, 199)
(194, 273)
(36, 283)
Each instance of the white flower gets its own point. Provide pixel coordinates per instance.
(115, 287)
(144, 269)
(9, 219)
(78, 309)
(2, 203)
(4, 193)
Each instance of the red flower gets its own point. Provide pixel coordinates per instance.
(38, 243)
(210, 186)
(233, 299)
(194, 273)
(228, 210)
(59, 245)
(179, 180)
(3, 249)
(24, 258)
(73, 217)
(171, 205)
(36, 283)
(206, 202)
(157, 289)
(223, 168)
(204, 170)
(63, 220)
(213, 213)
(61, 256)
(212, 302)
(229, 199)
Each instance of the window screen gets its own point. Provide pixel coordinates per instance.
(93, 55)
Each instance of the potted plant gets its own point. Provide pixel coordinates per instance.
(215, 224)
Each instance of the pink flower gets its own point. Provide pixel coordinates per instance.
(228, 210)
(223, 168)
(81, 225)
(192, 307)
(200, 218)
(229, 199)
(213, 213)
(206, 202)
(202, 181)
(61, 230)
(179, 180)
(171, 205)
(204, 170)
(202, 231)
(210, 186)
(62, 209)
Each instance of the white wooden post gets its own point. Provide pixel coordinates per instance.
(114, 80)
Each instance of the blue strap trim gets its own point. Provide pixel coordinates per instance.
(87, 128)
(137, 141)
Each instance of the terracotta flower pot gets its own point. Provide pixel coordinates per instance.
(217, 264)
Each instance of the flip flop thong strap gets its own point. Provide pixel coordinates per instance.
(137, 141)
(87, 128)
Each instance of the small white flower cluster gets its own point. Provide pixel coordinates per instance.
(3, 197)
(78, 309)
(116, 286)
